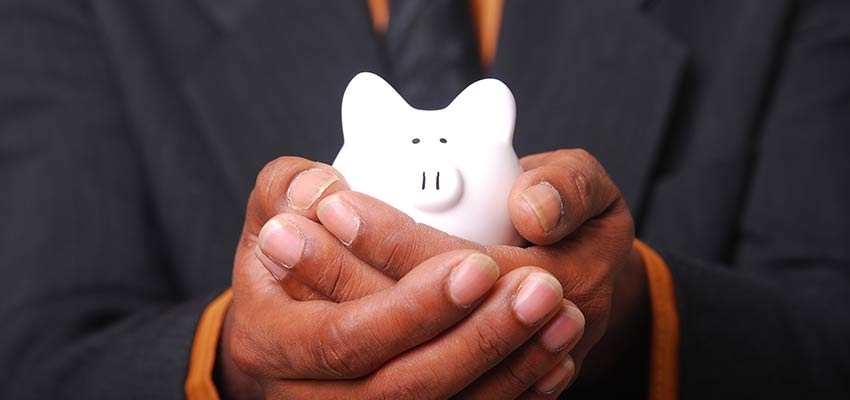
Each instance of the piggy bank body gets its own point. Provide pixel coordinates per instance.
(452, 168)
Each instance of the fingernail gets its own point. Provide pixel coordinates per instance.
(277, 271)
(308, 186)
(562, 372)
(546, 203)
(281, 242)
(339, 218)
(563, 329)
(537, 296)
(472, 278)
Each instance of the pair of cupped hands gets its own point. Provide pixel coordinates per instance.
(337, 295)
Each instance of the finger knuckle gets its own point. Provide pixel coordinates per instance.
(595, 171)
(331, 279)
(395, 389)
(268, 179)
(397, 393)
(270, 171)
(579, 182)
(398, 247)
(582, 154)
(339, 354)
(425, 384)
(587, 162)
(561, 154)
(492, 343)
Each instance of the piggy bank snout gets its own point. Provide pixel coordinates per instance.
(435, 187)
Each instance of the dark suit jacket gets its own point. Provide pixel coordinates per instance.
(131, 133)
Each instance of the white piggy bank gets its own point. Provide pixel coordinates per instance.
(452, 168)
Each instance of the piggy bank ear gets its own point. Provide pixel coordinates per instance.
(370, 107)
(487, 110)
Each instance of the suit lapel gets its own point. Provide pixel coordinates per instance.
(273, 85)
(593, 74)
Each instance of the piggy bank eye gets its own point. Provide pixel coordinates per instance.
(415, 140)
(443, 140)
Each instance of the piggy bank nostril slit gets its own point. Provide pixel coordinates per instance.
(441, 187)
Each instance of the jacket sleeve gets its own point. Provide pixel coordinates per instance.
(89, 309)
(776, 323)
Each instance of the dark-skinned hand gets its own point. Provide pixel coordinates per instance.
(455, 323)
(564, 203)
